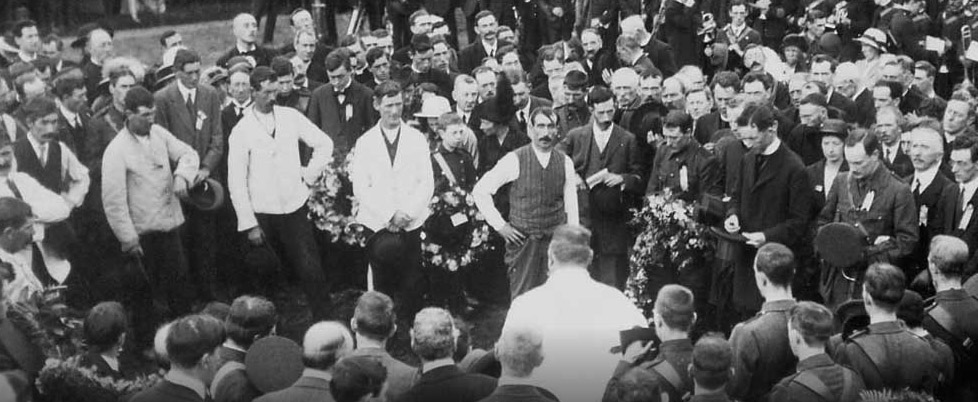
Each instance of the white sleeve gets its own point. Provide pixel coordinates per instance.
(570, 192)
(505, 171)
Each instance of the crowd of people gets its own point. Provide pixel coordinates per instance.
(832, 148)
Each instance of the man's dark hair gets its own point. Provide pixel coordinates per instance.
(192, 337)
(387, 89)
(777, 263)
(260, 76)
(824, 58)
(551, 53)
(282, 67)
(54, 38)
(925, 66)
(736, 3)
(964, 142)
(764, 117)
(184, 57)
(598, 94)
(726, 79)
(869, 140)
(420, 43)
(675, 304)
(815, 99)
(19, 27)
(680, 119)
(114, 75)
(103, 326)
(638, 385)
(483, 14)
(896, 88)
(711, 362)
(380, 33)
(374, 316)
(341, 58)
(372, 55)
(355, 377)
(66, 86)
(911, 309)
(504, 50)
(39, 107)
(746, 114)
(761, 76)
(885, 284)
(137, 97)
(166, 35)
(249, 319)
(13, 212)
(813, 321)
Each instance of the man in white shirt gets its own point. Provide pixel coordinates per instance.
(578, 345)
(54, 166)
(393, 183)
(269, 186)
(543, 196)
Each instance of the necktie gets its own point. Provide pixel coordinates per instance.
(888, 158)
(522, 117)
(191, 107)
(963, 201)
(78, 122)
(916, 187)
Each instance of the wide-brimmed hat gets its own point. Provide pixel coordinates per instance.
(208, 195)
(795, 40)
(841, 244)
(874, 38)
(274, 363)
(434, 106)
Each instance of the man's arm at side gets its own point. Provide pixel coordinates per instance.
(79, 180)
(238, 179)
(115, 194)
(570, 192)
(505, 171)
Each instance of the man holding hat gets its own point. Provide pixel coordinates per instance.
(393, 183)
(543, 196)
(192, 112)
(818, 378)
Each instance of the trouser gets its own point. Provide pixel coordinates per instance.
(527, 263)
(269, 9)
(400, 29)
(375, 13)
(290, 236)
(200, 243)
(165, 264)
(403, 281)
(610, 269)
(696, 278)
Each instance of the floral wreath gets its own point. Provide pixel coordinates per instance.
(65, 380)
(669, 239)
(456, 233)
(332, 207)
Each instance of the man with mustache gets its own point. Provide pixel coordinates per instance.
(543, 196)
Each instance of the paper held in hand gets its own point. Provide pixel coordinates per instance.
(597, 178)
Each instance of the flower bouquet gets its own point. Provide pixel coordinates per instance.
(668, 239)
(456, 233)
(332, 207)
(65, 381)
(48, 323)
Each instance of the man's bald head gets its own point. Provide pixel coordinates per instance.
(634, 26)
(324, 344)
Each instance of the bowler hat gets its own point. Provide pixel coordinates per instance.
(386, 247)
(274, 363)
(841, 244)
(208, 195)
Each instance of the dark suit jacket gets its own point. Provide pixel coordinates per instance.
(449, 384)
(520, 393)
(933, 199)
(326, 112)
(86, 142)
(305, 389)
(901, 166)
(865, 110)
(166, 391)
(846, 105)
(910, 102)
(679, 30)
(708, 125)
(777, 200)
(621, 156)
(472, 56)
(806, 142)
(703, 173)
(662, 56)
(93, 76)
(967, 231)
(173, 115)
(643, 65)
(816, 177)
(234, 386)
(95, 361)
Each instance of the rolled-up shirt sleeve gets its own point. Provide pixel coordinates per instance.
(570, 192)
(506, 170)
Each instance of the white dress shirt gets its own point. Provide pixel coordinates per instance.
(579, 320)
(890, 151)
(187, 92)
(969, 191)
(265, 175)
(507, 170)
(830, 172)
(72, 170)
(924, 178)
(602, 137)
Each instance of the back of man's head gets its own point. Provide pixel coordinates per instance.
(355, 377)
(13, 213)
(374, 316)
(884, 283)
(638, 385)
(433, 335)
(675, 305)
(325, 343)
(948, 255)
(191, 338)
(712, 360)
(520, 351)
(249, 319)
(571, 246)
(813, 322)
(777, 263)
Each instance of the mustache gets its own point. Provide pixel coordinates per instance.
(546, 138)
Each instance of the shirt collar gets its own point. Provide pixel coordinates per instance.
(604, 133)
(241, 105)
(490, 47)
(112, 362)
(186, 381)
(233, 347)
(69, 115)
(926, 177)
(26, 57)
(819, 360)
(313, 373)
(970, 186)
(184, 91)
(778, 305)
(37, 145)
(771, 148)
(251, 47)
(428, 366)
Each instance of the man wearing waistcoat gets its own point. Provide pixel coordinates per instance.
(52, 164)
(542, 197)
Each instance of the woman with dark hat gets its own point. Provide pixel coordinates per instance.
(794, 49)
